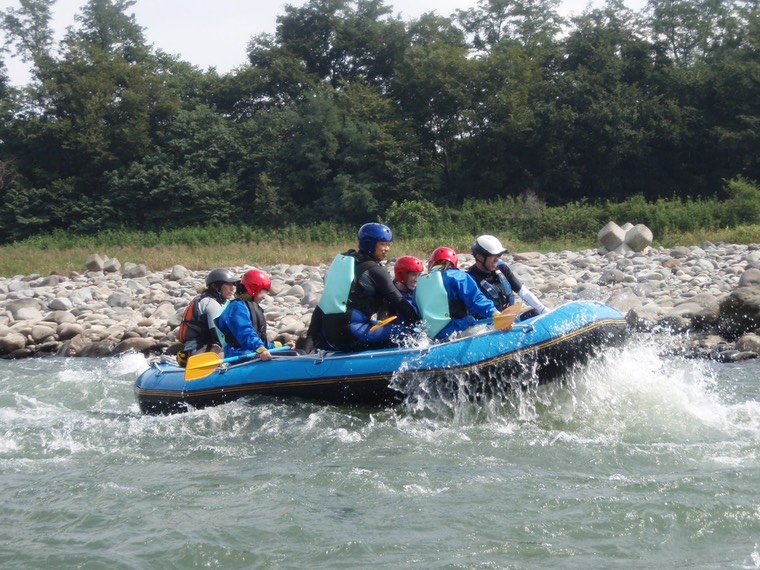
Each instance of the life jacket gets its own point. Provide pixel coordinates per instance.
(436, 308)
(194, 325)
(259, 322)
(338, 281)
(499, 290)
(433, 302)
(344, 288)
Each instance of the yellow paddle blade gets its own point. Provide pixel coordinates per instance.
(383, 323)
(504, 320)
(201, 365)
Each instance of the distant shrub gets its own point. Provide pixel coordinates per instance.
(743, 203)
(414, 218)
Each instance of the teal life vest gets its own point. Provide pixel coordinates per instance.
(338, 281)
(433, 302)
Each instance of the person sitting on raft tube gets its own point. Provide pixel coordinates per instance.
(496, 279)
(371, 288)
(197, 330)
(406, 272)
(466, 301)
(243, 324)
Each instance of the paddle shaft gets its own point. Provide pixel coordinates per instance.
(201, 365)
(249, 355)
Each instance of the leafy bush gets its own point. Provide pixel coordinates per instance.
(743, 204)
(414, 218)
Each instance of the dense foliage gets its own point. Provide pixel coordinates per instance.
(347, 113)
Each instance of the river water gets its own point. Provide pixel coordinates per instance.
(640, 460)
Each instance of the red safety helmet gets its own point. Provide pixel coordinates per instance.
(443, 254)
(405, 265)
(255, 280)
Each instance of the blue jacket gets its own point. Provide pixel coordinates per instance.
(466, 302)
(238, 320)
(462, 287)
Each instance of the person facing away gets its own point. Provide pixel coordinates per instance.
(242, 324)
(496, 279)
(406, 273)
(467, 303)
(197, 330)
(370, 290)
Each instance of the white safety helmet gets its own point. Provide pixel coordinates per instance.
(487, 245)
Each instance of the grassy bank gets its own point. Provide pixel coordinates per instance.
(46, 257)
(523, 224)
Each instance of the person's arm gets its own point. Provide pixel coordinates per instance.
(385, 288)
(532, 300)
(518, 287)
(239, 320)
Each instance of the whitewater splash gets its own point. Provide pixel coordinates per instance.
(636, 391)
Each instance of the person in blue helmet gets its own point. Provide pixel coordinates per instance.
(466, 302)
(371, 288)
(497, 280)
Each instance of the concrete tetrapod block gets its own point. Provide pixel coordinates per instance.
(611, 236)
(639, 237)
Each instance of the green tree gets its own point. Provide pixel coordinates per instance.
(343, 40)
(189, 180)
(27, 28)
(345, 158)
(605, 111)
(95, 110)
(691, 29)
(435, 88)
(531, 23)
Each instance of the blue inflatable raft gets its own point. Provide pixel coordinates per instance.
(537, 350)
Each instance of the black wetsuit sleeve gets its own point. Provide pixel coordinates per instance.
(387, 290)
(514, 281)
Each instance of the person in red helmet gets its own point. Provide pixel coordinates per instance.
(406, 272)
(243, 324)
(466, 302)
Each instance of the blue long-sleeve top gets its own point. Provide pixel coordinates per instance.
(237, 319)
(462, 287)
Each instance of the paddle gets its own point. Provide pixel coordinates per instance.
(382, 323)
(201, 365)
(503, 321)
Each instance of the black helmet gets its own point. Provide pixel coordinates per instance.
(487, 245)
(220, 275)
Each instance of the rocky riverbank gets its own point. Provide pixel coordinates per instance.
(709, 296)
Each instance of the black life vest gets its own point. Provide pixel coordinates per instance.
(259, 322)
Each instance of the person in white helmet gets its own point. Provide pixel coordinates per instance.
(496, 279)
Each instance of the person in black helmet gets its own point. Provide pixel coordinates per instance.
(371, 290)
(197, 330)
(496, 279)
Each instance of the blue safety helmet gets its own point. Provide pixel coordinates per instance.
(370, 234)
